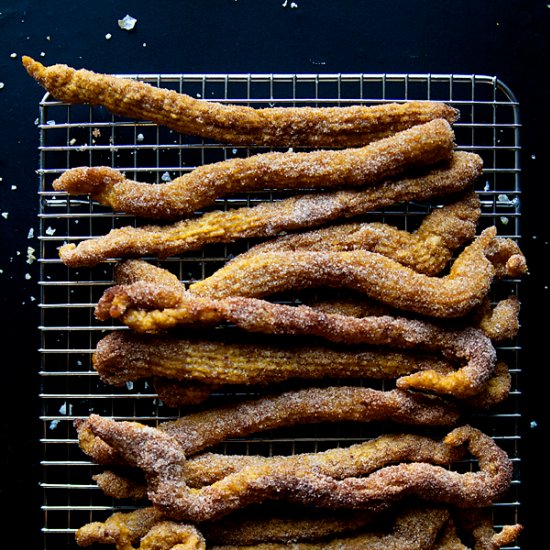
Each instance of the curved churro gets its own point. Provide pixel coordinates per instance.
(198, 431)
(176, 393)
(419, 146)
(272, 218)
(124, 356)
(411, 527)
(426, 250)
(145, 527)
(238, 124)
(449, 296)
(148, 307)
(297, 480)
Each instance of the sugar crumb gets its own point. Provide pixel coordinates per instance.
(108, 36)
(127, 23)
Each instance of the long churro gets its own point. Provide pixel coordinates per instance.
(414, 527)
(305, 479)
(198, 431)
(238, 124)
(379, 277)
(179, 393)
(124, 356)
(423, 145)
(427, 250)
(271, 218)
(148, 307)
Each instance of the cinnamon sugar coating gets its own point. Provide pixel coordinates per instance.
(305, 479)
(419, 146)
(290, 214)
(201, 430)
(378, 276)
(309, 126)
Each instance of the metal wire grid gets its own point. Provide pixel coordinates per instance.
(76, 135)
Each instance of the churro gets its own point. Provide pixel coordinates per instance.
(272, 218)
(310, 479)
(383, 279)
(238, 124)
(201, 430)
(423, 145)
(124, 356)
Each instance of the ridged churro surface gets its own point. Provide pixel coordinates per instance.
(238, 124)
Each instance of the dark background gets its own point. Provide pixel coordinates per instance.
(508, 39)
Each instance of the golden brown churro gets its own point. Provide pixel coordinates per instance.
(179, 393)
(419, 146)
(238, 124)
(297, 480)
(426, 250)
(379, 277)
(272, 218)
(124, 356)
(148, 307)
(420, 527)
(198, 431)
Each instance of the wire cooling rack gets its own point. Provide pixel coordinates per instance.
(79, 135)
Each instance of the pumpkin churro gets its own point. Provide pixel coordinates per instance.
(290, 214)
(327, 479)
(198, 431)
(424, 145)
(238, 124)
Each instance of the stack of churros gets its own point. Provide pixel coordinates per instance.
(410, 308)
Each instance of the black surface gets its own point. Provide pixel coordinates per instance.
(508, 39)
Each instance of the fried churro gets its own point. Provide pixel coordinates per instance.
(124, 356)
(239, 124)
(423, 145)
(427, 250)
(383, 279)
(270, 219)
(326, 479)
(179, 393)
(419, 527)
(201, 430)
(414, 528)
(148, 307)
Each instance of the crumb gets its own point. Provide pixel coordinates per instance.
(13, 187)
(73, 141)
(96, 132)
(127, 23)
(108, 36)
(503, 220)
(293, 5)
(50, 231)
(1, 85)
(30, 255)
(50, 122)
(166, 177)
(13, 55)
(533, 424)
(30, 234)
(145, 44)
(54, 424)
(5, 215)
(42, 54)
(28, 276)
(140, 137)
(130, 385)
